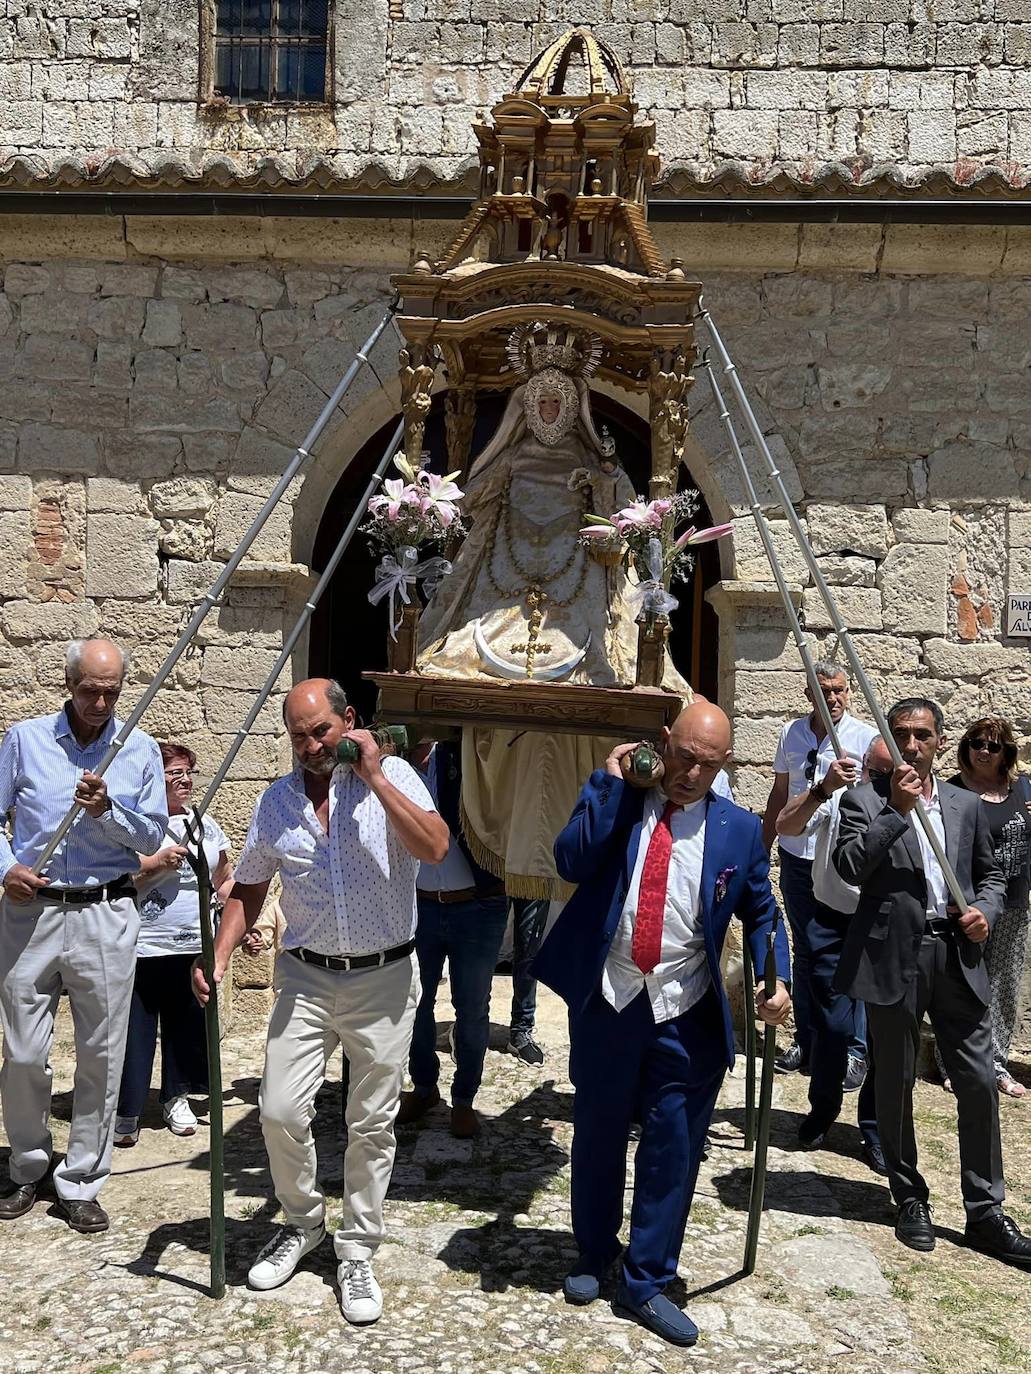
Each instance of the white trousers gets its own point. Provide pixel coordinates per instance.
(370, 1014)
(90, 953)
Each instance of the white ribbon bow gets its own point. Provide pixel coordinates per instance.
(393, 579)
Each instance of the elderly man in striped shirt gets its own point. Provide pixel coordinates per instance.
(74, 927)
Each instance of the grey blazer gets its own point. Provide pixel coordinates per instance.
(878, 852)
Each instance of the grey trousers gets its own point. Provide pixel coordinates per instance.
(962, 1027)
(90, 953)
(370, 1013)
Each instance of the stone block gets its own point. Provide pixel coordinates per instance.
(140, 456)
(219, 328)
(225, 710)
(291, 406)
(914, 581)
(258, 462)
(968, 250)
(177, 237)
(187, 581)
(966, 470)
(755, 741)
(28, 623)
(915, 526)
(173, 714)
(246, 286)
(240, 667)
(880, 653)
(116, 317)
(730, 247)
(752, 786)
(15, 493)
(54, 358)
(846, 571)
(859, 607)
(22, 280)
(858, 475)
(768, 693)
(185, 539)
(56, 449)
(1018, 524)
(850, 385)
(111, 494)
(840, 247)
(15, 541)
(121, 556)
(184, 414)
(848, 529)
(750, 561)
(133, 624)
(236, 511)
(164, 326)
(948, 659)
(765, 646)
(181, 496)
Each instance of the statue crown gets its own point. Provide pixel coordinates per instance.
(533, 348)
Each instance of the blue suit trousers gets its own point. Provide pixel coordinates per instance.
(626, 1068)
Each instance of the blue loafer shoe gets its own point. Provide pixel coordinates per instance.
(658, 1314)
(580, 1289)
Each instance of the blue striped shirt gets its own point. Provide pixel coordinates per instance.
(41, 762)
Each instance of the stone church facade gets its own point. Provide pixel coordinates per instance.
(848, 179)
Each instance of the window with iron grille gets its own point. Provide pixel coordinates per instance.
(271, 50)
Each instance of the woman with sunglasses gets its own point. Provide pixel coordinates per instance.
(988, 766)
(169, 941)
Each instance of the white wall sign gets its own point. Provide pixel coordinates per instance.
(1018, 614)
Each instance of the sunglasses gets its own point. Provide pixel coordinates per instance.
(181, 774)
(878, 774)
(992, 746)
(810, 765)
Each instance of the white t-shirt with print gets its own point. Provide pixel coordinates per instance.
(170, 907)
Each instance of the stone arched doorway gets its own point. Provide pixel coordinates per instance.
(349, 637)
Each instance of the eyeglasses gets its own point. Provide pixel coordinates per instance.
(991, 745)
(181, 774)
(810, 765)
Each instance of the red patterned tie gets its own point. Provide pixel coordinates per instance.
(651, 899)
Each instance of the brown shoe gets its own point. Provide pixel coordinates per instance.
(465, 1124)
(414, 1106)
(83, 1216)
(17, 1199)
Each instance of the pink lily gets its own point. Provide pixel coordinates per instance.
(691, 536)
(397, 495)
(642, 515)
(606, 531)
(440, 488)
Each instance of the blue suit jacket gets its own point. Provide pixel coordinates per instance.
(598, 849)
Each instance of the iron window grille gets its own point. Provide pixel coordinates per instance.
(271, 51)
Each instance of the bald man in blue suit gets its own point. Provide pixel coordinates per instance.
(636, 956)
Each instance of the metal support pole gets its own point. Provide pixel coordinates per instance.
(749, 988)
(840, 629)
(819, 701)
(301, 622)
(301, 456)
(216, 1133)
(757, 1193)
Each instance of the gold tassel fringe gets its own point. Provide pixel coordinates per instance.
(516, 884)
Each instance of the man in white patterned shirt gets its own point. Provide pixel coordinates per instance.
(346, 842)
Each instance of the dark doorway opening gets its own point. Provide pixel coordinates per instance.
(349, 636)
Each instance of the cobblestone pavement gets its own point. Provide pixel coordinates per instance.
(479, 1241)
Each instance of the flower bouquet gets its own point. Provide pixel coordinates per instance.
(643, 537)
(416, 510)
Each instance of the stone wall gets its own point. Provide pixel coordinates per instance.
(761, 83)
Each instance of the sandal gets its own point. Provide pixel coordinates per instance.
(1009, 1087)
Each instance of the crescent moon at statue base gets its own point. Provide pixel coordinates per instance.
(509, 670)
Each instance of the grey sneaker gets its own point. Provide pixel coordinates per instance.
(855, 1074)
(361, 1300)
(525, 1047)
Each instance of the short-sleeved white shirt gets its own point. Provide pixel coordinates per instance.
(348, 891)
(170, 907)
(797, 743)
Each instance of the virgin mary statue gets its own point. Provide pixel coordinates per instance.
(527, 601)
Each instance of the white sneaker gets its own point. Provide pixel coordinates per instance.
(361, 1300)
(179, 1116)
(127, 1131)
(282, 1255)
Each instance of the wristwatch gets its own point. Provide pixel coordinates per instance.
(817, 793)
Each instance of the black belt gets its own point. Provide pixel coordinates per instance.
(463, 894)
(343, 963)
(938, 925)
(83, 896)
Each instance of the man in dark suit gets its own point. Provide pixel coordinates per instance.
(636, 956)
(909, 951)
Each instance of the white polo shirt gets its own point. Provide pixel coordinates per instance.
(350, 890)
(807, 762)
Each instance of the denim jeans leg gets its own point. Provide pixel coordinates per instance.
(477, 929)
(431, 950)
(858, 1045)
(529, 917)
(796, 885)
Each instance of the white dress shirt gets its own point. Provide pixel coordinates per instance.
(453, 873)
(797, 742)
(938, 894)
(350, 890)
(681, 976)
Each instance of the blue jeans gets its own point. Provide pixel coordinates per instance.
(529, 917)
(468, 935)
(163, 1002)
